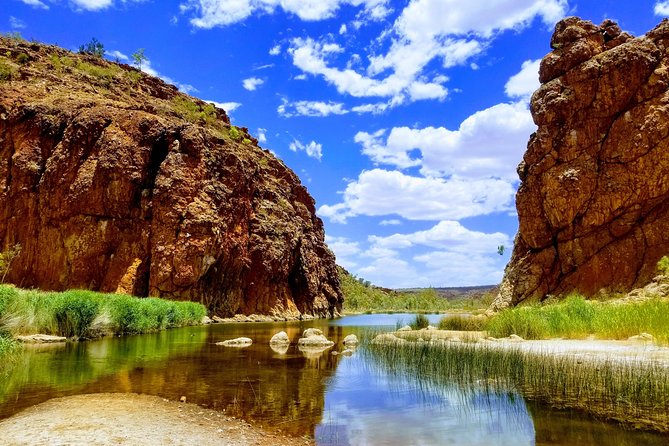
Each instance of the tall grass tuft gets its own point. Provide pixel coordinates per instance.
(420, 321)
(460, 322)
(577, 318)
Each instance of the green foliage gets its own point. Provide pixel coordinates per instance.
(577, 318)
(94, 48)
(461, 323)
(22, 58)
(104, 74)
(72, 313)
(138, 58)
(134, 76)
(192, 112)
(663, 266)
(6, 259)
(75, 311)
(420, 321)
(6, 71)
(246, 141)
(500, 250)
(234, 133)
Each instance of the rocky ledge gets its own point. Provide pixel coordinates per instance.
(112, 180)
(593, 204)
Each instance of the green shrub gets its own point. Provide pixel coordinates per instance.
(94, 48)
(663, 266)
(461, 323)
(234, 133)
(420, 321)
(192, 112)
(74, 312)
(22, 58)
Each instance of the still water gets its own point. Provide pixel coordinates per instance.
(339, 400)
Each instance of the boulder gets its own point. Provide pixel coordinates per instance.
(41, 339)
(314, 337)
(351, 340)
(281, 338)
(593, 202)
(237, 342)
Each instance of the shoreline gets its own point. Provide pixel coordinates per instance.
(133, 419)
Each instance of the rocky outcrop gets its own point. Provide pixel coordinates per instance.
(112, 180)
(593, 204)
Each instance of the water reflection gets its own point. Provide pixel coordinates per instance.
(338, 399)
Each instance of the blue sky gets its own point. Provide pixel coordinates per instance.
(405, 119)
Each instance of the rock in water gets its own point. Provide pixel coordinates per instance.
(281, 338)
(237, 342)
(112, 180)
(593, 204)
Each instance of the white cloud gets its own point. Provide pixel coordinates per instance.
(15, 23)
(275, 50)
(380, 192)
(229, 107)
(391, 222)
(301, 77)
(313, 149)
(490, 143)
(524, 83)
(36, 4)
(212, 13)
(262, 136)
(310, 108)
(252, 83)
(344, 249)
(342, 28)
(662, 8)
(148, 69)
(116, 54)
(93, 5)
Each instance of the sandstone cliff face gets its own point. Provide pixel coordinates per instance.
(111, 180)
(593, 204)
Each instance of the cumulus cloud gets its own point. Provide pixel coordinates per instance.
(380, 192)
(313, 149)
(262, 135)
(310, 108)
(229, 107)
(275, 50)
(117, 55)
(345, 250)
(662, 8)
(252, 83)
(524, 83)
(391, 222)
(489, 143)
(212, 13)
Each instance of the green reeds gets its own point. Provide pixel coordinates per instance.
(577, 318)
(74, 313)
(460, 322)
(636, 392)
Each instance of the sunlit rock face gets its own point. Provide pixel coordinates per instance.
(593, 204)
(112, 180)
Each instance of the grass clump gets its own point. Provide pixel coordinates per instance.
(74, 313)
(6, 71)
(192, 112)
(234, 133)
(460, 322)
(104, 74)
(419, 322)
(576, 318)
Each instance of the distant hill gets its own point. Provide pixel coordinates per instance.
(455, 293)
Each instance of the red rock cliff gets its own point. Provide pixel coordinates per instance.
(111, 180)
(593, 204)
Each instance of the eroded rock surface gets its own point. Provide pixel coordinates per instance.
(593, 204)
(111, 180)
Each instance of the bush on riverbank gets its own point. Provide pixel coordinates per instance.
(576, 318)
(74, 313)
(362, 297)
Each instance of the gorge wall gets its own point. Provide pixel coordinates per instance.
(112, 180)
(593, 204)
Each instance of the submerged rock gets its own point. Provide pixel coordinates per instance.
(281, 338)
(237, 342)
(351, 340)
(41, 339)
(593, 203)
(314, 337)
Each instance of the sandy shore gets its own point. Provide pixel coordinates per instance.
(131, 419)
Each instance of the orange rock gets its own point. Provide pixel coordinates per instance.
(593, 204)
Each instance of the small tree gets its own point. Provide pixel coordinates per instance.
(139, 58)
(6, 259)
(500, 250)
(94, 47)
